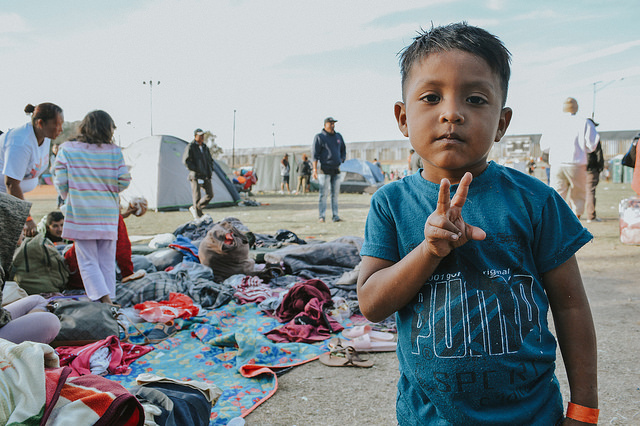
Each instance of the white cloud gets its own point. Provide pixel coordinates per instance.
(12, 23)
(495, 5)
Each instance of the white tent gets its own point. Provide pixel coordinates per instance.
(158, 174)
(267, 168)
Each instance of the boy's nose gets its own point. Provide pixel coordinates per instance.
(451, 113)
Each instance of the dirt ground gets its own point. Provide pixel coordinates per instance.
(314, 394)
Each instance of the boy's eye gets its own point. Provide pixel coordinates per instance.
(431, 98)
(476, 100)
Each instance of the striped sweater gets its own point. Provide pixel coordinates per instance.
(89, 177)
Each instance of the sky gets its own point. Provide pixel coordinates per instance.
(261, 73)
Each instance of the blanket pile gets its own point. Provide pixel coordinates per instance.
(226, 347)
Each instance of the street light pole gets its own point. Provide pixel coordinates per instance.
(596, 89)
(150, 83)
(233, 146)
(273, 125)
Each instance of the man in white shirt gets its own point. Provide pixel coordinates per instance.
(568, 143)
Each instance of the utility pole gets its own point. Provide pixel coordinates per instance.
(233, 146)
(273, 126)
(596, 89)
(150, 83)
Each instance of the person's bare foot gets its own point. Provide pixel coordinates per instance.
(107, 299)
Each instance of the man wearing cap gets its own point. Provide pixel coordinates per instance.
(329, 151)
(198, 160)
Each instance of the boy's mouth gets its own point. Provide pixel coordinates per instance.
(450, 137)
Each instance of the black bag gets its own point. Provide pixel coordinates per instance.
(304, 168)
(629, 158)
(595, 159)
(83, 321)
(328, 170)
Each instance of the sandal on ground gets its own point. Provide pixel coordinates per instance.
(345, 357)
(361, 330)
(364, 343)
(157, 334)
(160, 332)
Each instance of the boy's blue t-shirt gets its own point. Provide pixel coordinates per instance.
(474, 344)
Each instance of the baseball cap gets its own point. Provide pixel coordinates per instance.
(330, 120)
(198, 132)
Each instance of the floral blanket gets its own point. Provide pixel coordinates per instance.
(226, 347)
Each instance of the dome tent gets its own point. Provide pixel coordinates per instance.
(158, 174)
(360, 176)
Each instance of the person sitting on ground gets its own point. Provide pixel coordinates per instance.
(27, 318)
(471, 301)
(54, 223)
(243, 180)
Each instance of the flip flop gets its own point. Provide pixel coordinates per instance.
(361, 330)
(345, 357)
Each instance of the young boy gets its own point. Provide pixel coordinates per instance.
(471, 278)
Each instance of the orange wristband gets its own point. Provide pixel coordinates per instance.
(582, 414)
(29, 218)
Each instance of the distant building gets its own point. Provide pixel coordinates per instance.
(393, 153)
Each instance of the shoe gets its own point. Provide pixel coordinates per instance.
(337, 219)
(365, 343)
(597, 219)
(194, 213)
(321, 220)
(160, 332)
(375, 336)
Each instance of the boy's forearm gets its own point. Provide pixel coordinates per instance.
(577, 340)
(575, 331)
(384, 290)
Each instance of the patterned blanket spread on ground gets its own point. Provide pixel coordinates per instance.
(226, 347)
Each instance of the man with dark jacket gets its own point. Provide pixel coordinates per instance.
(329, 150)
(198, 160)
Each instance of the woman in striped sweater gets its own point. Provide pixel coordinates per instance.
(89, 174)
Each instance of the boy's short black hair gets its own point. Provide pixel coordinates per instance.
(459, 36)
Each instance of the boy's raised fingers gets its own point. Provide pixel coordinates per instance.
(444, 197)
(463, 189)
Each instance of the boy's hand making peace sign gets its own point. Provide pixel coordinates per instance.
(445, 229)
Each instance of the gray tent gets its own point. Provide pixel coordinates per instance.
(158, 174)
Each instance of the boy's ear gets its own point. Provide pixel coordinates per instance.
(503, 123)
(401, 117)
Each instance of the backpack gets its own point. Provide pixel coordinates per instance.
(595, 159)
(38, 267)
(305, 168)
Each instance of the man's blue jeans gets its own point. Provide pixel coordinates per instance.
(329, 183)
